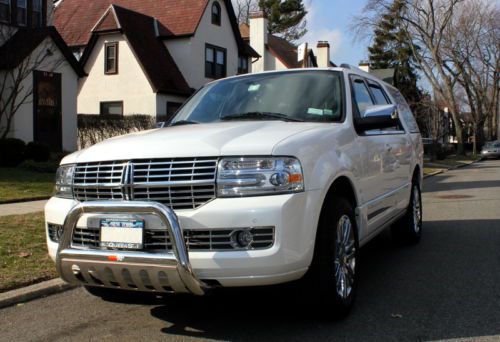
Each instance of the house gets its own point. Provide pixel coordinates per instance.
(149, 56)
(277, 53)
(38, 77)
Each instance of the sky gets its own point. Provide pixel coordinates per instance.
(329, 20)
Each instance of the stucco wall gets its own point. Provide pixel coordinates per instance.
(189, 53)
(22, 126)
(129, 85)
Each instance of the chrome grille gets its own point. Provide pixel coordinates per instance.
(196, 240)
(98, 181)
(180, 183)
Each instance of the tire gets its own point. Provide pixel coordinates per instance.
(333, 276)
(408, 229)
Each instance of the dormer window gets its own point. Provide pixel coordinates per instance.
(111, 58)
(36, 15)
(5, 10)
(216, 13)
(22, 11)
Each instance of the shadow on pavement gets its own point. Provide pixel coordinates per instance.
(479, 184)
(445, 287)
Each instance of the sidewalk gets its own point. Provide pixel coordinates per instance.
(22, 208)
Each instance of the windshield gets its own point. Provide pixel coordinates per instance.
(288, 96)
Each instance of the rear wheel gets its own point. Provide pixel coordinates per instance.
(333, 277)
(408, 230)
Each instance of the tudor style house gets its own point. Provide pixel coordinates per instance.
(38, 77)
(149, 56)
(277, 53)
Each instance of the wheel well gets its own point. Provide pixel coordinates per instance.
(342, 187)
(416, 174)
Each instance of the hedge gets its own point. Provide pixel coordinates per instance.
(94, 128)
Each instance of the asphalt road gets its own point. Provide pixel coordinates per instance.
(446, 288)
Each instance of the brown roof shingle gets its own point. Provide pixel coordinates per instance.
(75, 18)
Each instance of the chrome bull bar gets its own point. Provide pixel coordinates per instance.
(156, 272)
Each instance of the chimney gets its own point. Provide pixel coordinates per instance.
(323, 54)
(258, 39)
(365, 66)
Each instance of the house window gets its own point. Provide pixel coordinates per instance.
(111, 58)
(242, 65)
(112, 108)
(172, 108)
(36, 14)
(215, 62)
(22, 11)
(5, 10)
(216, 14)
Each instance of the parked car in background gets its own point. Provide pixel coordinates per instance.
(259, 179)
(491, 149)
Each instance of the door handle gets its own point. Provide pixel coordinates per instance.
(389, 147)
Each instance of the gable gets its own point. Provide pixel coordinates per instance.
(152, 55)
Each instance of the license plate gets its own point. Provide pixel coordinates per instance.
(122, 233)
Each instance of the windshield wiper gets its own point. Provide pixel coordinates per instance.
(184, 122)
(259, 115)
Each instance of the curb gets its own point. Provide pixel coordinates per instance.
(434, 173)
(35, 291)
(23, 200)
(451, 168)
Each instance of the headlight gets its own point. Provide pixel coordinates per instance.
(254, 176)
(64, 181)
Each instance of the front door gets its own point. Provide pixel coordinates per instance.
(47, 118)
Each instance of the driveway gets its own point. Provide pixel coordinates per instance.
(446, 288)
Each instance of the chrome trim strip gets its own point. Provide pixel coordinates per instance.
(179, 260)
(375, 201)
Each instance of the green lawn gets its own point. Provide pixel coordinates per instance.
(21, 184)
(23, 251)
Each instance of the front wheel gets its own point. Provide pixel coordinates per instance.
(408, 230)
(333, 276)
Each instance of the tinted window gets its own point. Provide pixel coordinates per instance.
(361, 96)
(306, 96)
(404, 110)
(378, 94)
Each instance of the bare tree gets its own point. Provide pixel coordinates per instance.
(472, 55)
(243, 8)
(424, 23)
(15, 86)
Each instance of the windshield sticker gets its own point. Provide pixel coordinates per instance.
(253, 87)
(317, 111)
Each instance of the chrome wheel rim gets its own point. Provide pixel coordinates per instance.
(417, 210)
(345, 257)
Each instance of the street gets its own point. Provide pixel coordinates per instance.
(445, 288)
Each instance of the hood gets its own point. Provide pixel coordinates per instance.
(198, 140)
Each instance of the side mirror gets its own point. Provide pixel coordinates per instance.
(377, 117)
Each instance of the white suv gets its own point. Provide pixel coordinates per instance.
(258, 179)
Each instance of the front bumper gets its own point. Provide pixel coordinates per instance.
(129, 270)
(294, 216)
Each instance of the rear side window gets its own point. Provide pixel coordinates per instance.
(404, 110)
(378, 94)
(361, 95)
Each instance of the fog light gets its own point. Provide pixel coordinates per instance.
(242, 238)
(76, 269)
